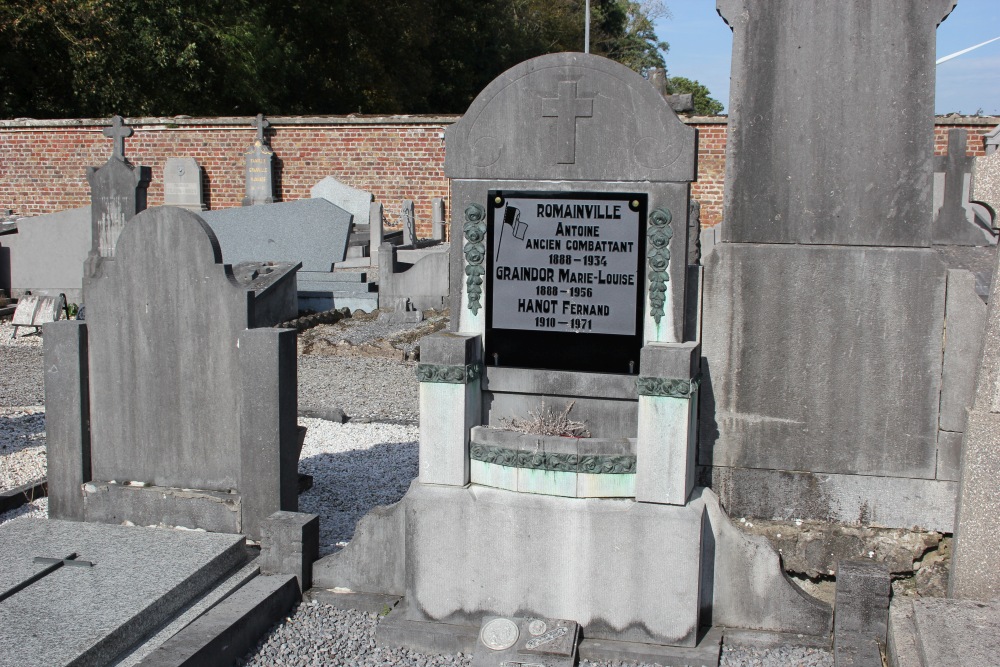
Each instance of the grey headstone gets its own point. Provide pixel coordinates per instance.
(571, 117)
(794, 337)
(311, 231)
(977, 545)
(694, 233)
(289, 544)
(409, 221)
(375, 229)
(992, 140)
(182, 183)
(34, 311)
(957, 633)
(956, 221)
(986, 183)
(828, 179)
(353, 200)
(259, 167)
(48, 252)
(183, 395)
(91, 615)
(545, 642)
(117, 193)
(862, 613)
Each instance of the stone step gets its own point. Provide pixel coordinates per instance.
(332, 277)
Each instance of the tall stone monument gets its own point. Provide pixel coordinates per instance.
(259, 167)
(824, 307)
(117, 193)
(570, 183)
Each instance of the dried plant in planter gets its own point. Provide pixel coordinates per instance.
(546, 422)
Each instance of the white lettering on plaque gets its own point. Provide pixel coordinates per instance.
(565, 265)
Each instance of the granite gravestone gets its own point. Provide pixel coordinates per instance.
(182, 184)
(437, 219)
(354, 201)
(172, 404)
(823, 305)
(986, 183)
(957, 220)
(259, 167)
(117, 193)
(575, 151)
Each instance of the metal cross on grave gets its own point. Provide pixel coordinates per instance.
(118, 131)
(566, 108)
(261, 124)
(53, 565)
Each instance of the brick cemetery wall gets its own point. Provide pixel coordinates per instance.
(395, 157)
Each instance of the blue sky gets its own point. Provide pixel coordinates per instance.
(701, 48)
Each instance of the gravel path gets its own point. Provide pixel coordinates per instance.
(368, 461)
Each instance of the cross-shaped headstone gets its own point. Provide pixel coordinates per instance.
(53, 565)
(957, 221)
(118, 131)
(261, 124)
(566, 108)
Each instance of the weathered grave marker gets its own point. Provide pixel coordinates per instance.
(408, 218)
(176, 399)
(957, 220)
(437, 219)
(570, 191)
(259, 167)
(986, 177)
(117, 193)
(182, 184)
(35, 311)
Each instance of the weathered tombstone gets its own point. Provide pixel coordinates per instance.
(182, 184)
(48, 253)
(117, 193)
(376, 227)
(259, 167)
(957, 220)
(409, 221)
(34, 311)
(570, 188)
(986, 177)
(354, 201)
(169, 405)
(437, 219)
(823, 303)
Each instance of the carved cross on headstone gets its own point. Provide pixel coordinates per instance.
(53, 565)
(566, 108)
(118, 131)
(261, 124)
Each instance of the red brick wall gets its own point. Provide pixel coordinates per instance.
(42, 162)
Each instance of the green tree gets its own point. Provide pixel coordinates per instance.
(704, 105)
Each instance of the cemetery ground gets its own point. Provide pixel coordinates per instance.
(362, 368)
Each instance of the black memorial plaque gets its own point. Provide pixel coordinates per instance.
(565, 280)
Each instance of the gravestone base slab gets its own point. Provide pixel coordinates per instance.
(140, 578)
(446, 638)
(114, 503)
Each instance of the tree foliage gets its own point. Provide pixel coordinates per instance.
(93, 58)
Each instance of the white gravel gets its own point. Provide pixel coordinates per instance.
(22, 446)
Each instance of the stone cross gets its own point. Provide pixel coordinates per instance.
(260, 124)
(118, 131)
(955, 220)
(566, 108)
(53, 565)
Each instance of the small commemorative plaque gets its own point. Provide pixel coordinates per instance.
(526, 642)
(565, 280)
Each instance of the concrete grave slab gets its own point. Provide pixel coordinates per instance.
(355, 201)
(90, 615)
(311, 231)
(957, 633)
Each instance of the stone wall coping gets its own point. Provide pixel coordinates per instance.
(228, 122)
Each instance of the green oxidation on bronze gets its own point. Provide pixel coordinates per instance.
(658, 234)
(449, 374)
(475, 252)
(672, 388)
(533, 460)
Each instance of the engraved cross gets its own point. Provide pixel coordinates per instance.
(566, 108)
(261, 125)
(52, 564)
(118, 131)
